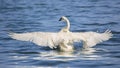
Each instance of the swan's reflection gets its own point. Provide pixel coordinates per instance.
(81, 54)
(87, 54)
(56, 55)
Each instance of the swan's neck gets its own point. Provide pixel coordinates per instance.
(68, 24)
(66, 28)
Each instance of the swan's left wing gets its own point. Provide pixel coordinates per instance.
(39, 38)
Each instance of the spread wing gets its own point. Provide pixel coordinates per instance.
(39, 38)
(90, 39)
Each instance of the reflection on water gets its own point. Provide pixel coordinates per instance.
(56, 56)
(87, 54)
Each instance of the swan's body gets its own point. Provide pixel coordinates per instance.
(63, 39)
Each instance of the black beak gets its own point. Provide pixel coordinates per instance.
(60, 19)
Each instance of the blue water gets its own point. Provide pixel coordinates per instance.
(43, 15)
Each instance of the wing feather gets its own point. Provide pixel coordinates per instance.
(90, 39)
(39, 38)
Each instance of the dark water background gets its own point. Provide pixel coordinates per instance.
(43, 15)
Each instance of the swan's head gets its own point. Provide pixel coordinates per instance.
(63, 18)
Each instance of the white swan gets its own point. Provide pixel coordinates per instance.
(63, 39)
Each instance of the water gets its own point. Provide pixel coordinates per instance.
(43, 15)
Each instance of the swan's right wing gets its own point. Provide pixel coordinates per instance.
(90, 39)
(39, 38)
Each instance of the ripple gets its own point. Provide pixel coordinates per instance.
(100, 24)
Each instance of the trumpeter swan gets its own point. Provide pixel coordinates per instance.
(63, 39)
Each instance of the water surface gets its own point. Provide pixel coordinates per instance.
(43, 15)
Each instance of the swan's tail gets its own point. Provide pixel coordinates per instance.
(96, 38)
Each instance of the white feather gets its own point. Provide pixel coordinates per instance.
(90, 39)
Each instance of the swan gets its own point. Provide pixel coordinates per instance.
(63, 39)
